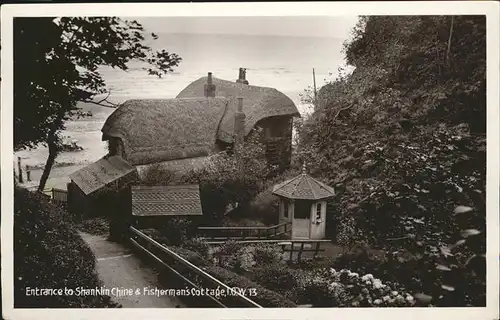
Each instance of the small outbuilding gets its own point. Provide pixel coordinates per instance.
(150, 205)
(303, 203)
(88, 190)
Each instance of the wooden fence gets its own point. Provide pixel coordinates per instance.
(60, 196)
(244, 233)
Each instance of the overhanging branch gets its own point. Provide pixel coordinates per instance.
(104, 102)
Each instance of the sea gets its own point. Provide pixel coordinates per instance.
(282, 62)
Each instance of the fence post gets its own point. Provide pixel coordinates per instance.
(20, 169)
(300, 251)
(28, 173)
(317, 249)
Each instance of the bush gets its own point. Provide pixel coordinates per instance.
(277, 277)
(228, 255)
(264, 297)
(199, 245)
(97, 226)
(49, 253)
(265, 207)
(240, 258)
(316, 291)
(177, 230)
(448, 276)
(230, 180)
(267, 254)
(191, 256)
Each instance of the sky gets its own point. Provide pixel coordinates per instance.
(327, 26)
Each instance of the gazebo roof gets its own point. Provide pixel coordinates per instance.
(304, 187)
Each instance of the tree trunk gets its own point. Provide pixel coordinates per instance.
(50, 162)
(449, 44)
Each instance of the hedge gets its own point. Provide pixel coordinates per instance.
(49, 254)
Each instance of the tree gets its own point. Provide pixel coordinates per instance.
(56, 65)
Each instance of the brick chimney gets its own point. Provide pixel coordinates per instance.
(209, 87)
(239, 123)
(242, 78)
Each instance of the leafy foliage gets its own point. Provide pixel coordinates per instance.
(403, 139)
(231, 180)
(49, 253)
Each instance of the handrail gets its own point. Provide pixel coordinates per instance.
(245, 228)
(194, 268)
(285, 241)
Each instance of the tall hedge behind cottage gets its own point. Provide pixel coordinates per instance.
(49, 254)
(404, 135)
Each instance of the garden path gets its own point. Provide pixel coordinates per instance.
(119, 268)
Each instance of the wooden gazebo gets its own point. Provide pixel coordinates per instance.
(303, 203)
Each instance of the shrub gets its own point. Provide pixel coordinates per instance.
(49, 253)
(449, 275)
(265, 207)
(97, 226)
(230, 180)
(317, 291)
(191, 256)
(199, 245)
(277, 277)
(176, 230)
(264, 297)
(267, 254)
(228, 255)
(239, 257)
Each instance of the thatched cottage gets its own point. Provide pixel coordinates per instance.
(206, 117)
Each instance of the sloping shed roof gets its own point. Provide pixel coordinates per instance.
(101, 173)
(166, 129)
(166, 200)
(303, 187)
(258, 103)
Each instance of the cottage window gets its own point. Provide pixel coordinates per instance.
(285, 209)
(318, 211)
(302, 209)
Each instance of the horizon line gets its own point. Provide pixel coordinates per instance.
(247, 34)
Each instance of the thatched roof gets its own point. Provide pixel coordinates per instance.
(186, 127)
(162, 130)
(101, 173)
(258, 103)
(181, 200)
(303, 187)
(178, 167)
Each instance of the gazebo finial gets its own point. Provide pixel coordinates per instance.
(304, 168)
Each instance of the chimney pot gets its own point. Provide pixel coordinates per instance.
(240, 104)
(242, 76)
(209, 87)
